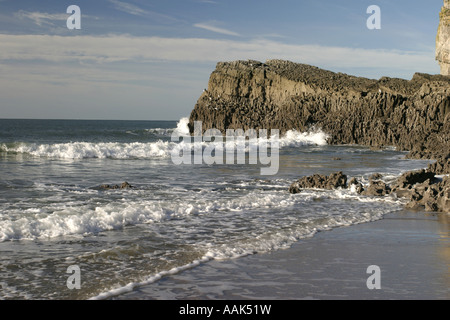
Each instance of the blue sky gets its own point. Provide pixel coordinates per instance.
(150, 60)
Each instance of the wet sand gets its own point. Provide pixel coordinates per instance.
(412, 250)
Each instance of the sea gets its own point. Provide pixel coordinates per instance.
(64, 237)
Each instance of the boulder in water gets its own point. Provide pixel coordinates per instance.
(124, 185)
(333, 181)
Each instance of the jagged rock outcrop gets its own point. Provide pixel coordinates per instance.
(333, 181)
(421, 188)
(377, 188)
(442, 166)
(443, 39)
(431, 195)
(411, 115)
(409, 179)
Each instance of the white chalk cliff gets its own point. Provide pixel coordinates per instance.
(443, 39)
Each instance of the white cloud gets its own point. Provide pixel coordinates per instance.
(137, 11)
(128, 8)
(47, 19)
(41, 18)
(107, 49)
(210, 27)
(208, 1)
(53, 76)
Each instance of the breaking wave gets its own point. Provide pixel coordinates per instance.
(50, 221)
(161, 148)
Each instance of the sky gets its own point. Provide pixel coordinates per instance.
(151, 60)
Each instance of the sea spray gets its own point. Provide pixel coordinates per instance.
(162, 148)
(229, 149)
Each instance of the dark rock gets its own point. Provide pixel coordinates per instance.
(444, 200)
(124, 185)
(441, 166)
(408, 179)
(416, 196)
(375, 176)
(377, 188)
(295, 188)
(333, 181)
(403, 193)
(337, 180)
(358, 185)
(414, 205)
(431, 196)
(431, 206)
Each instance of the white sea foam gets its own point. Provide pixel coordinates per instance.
(50, 222)
(280, 238)
(152, 279)
(84, 150)
(182, 127)
(273, 220)
(160, 131)
(81, 218)
(148, 150)
(294, 138)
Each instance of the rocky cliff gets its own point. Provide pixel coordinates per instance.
(443, 39)
(411, 115)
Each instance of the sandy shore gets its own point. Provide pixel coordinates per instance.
(412, 250)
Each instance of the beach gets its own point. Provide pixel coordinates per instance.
(412, 249)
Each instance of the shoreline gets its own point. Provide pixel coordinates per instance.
(412, 249)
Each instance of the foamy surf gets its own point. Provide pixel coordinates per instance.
(162, 148)
(268, 241)
(175, 218)
(294, 138)
(241, 220)
(86, 150)
(87, 217)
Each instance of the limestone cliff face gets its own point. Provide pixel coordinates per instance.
(411, 115)
(443, 39)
